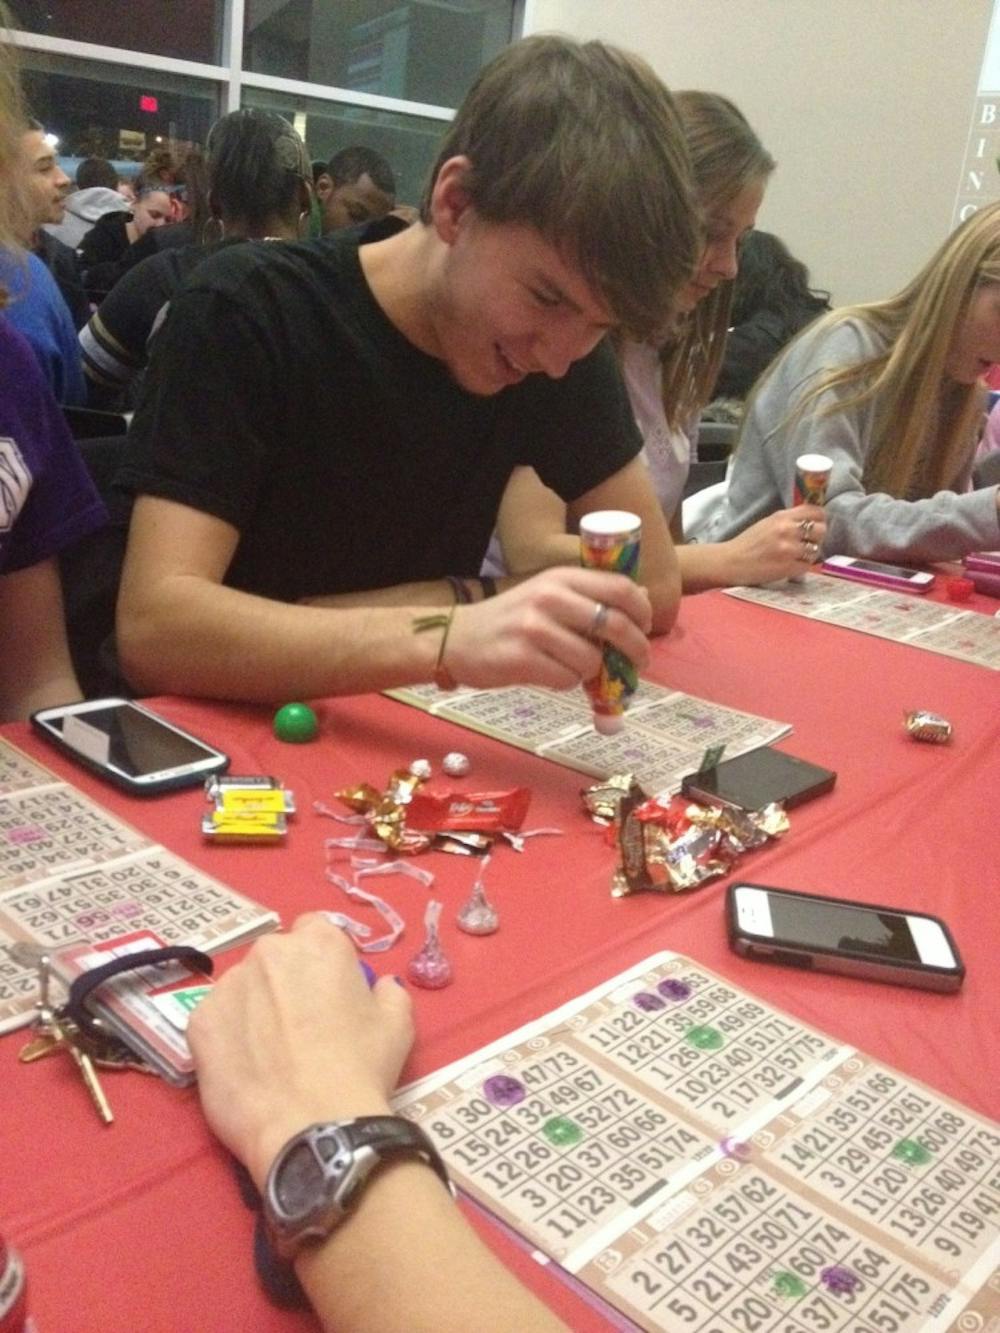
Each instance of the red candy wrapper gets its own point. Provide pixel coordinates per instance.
(468, 811)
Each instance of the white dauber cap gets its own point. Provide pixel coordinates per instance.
(610, 523)
(609, 724)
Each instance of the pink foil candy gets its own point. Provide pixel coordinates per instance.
(430, 968)
(479, 916)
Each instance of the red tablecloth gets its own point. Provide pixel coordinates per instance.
(138, 1226)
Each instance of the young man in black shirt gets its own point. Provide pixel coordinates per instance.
(327, 428)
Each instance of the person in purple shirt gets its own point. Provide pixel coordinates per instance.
(47, 502)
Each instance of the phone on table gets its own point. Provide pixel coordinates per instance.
(128, 745)
(838, 935)
(755, 779)
(873, 571)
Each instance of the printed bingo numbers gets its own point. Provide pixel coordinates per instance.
(70, 873)
(705, 1162)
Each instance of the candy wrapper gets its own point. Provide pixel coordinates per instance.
(603, 801)
(410, 820)
(469, 811)
(667, 848)
(386, 812)
(924, 726)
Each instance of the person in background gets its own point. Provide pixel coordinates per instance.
(772, 301)
(331, 1052)
(257, 189)
(34, 303)
(278, 550)
(357, 185)
(892, 392)
(96, 193)
(104, 249)
(669, 381)
(47, 501)
(47, 186)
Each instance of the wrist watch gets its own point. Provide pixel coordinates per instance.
(320, 1173)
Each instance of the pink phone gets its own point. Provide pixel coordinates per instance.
(897, 577)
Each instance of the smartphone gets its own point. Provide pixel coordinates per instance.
(837, 935)
(128, 745)
(873, 571)
(755, 779)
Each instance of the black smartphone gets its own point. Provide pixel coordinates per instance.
(755, 779)
(128, 745)
(837, 935)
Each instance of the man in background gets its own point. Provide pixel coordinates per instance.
(96, 193)
(47, 185)
(356, 186)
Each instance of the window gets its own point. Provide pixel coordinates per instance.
(135, 25)
(422, 51)
(108, 111)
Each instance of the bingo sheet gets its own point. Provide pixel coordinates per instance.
(72, 873)
(901, 617)
(665, 737)
(701, 1161)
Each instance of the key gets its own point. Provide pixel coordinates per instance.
(38, 1048)
(88, 1073)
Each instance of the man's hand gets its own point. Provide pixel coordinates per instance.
(292, 1035)
(539, 633)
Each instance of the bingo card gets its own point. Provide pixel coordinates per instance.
(71, 873)
(666, 735)
(701, 1161)
(901, 617)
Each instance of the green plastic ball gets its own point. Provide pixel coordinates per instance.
(296, 723)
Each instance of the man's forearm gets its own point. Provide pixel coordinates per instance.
(432, 592)
(197, 637)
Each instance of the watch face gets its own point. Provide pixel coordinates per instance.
(301, 1185)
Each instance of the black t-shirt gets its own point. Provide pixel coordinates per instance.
(280, 398)
(114, 346)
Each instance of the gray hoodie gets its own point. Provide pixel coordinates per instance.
(83, 208)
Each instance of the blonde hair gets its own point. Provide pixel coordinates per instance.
(726, 158)
(15, 212)
(907, 382)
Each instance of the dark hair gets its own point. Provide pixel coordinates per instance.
(192, 185)
(350, 164)
(95, 171)
(257, 164)
(771, 278)
(582, 142)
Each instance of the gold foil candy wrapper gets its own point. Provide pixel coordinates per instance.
(925, 726)
(360, 798)
(603, 801)
(386, 811)
(402, 784)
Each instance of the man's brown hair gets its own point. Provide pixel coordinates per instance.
(582, 141)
